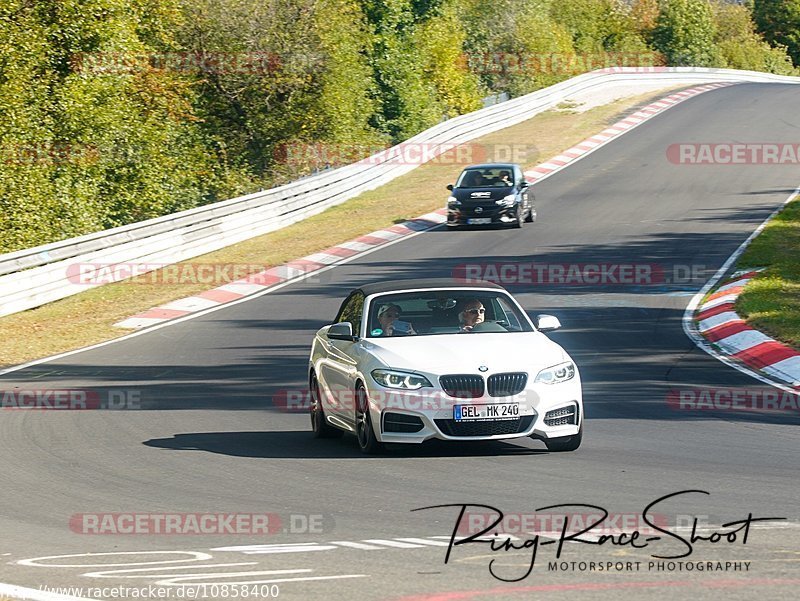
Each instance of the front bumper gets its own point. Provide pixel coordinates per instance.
(497, 215)
(413, 417)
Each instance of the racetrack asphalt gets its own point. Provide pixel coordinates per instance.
(207, 436)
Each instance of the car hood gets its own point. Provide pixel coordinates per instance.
(465, 353)
(482, 194)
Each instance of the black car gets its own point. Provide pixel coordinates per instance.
(490, 194)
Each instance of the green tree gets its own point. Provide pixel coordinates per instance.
(685, 32)
(407, 100)
(779, 22)
(643, 14)
(292, 74)
(741, 47)
(440, 41)
(515, 47)
(101, 137)
(604, 34)
(598, 26)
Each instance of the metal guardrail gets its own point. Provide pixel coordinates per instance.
(35, 276)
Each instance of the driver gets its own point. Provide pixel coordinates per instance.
(471, 315)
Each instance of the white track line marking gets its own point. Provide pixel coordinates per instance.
(393, 543)
(274, 580)
(277, 548)
(354, 545)
(424, 541)
(195, 556)
(140, 572)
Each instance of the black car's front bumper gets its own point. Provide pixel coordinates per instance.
(488, 214)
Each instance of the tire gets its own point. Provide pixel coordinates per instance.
(365, 433)
(565, 443)
(319, 425)
(532, 209)
(531, 215)
(520, 221)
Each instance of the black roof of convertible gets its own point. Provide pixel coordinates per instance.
(492, 166)
(400, 285)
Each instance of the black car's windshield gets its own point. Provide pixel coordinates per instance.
(486, 178)
(444, 312)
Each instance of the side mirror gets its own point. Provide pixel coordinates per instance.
(450, 187)
(546, 323)
(523, 184)
(341, 331)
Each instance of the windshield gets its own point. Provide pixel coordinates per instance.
(496, 177)
(444, 312)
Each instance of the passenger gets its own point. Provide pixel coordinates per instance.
(471, 315)
(389, 318)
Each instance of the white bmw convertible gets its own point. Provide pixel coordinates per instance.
(408, 361)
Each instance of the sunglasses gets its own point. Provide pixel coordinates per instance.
(476, 311)
(387, 314)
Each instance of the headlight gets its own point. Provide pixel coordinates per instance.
(453, 202)
(399, 379)
(556, 374)
(507, 201)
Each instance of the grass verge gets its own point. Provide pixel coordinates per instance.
(88, 318)
(771, 302)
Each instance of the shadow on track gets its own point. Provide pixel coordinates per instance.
(296, 444)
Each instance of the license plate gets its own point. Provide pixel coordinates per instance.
(479, 221)
(466, 413)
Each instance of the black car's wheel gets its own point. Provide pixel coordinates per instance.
(565, 443)
(531, 208)
(520, 216)
(364, 431)
(531, 215)
(319, 425)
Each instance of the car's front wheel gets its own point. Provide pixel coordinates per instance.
(565, 443)
(531, 217)
(520, 216)
(319, 425)
(364, 431)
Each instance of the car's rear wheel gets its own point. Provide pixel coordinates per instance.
(319, 425)
(364, 431)
(565, 443)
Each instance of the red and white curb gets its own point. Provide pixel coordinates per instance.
(716, 319)
(620, 127)
(302, 267)
(268, 278)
